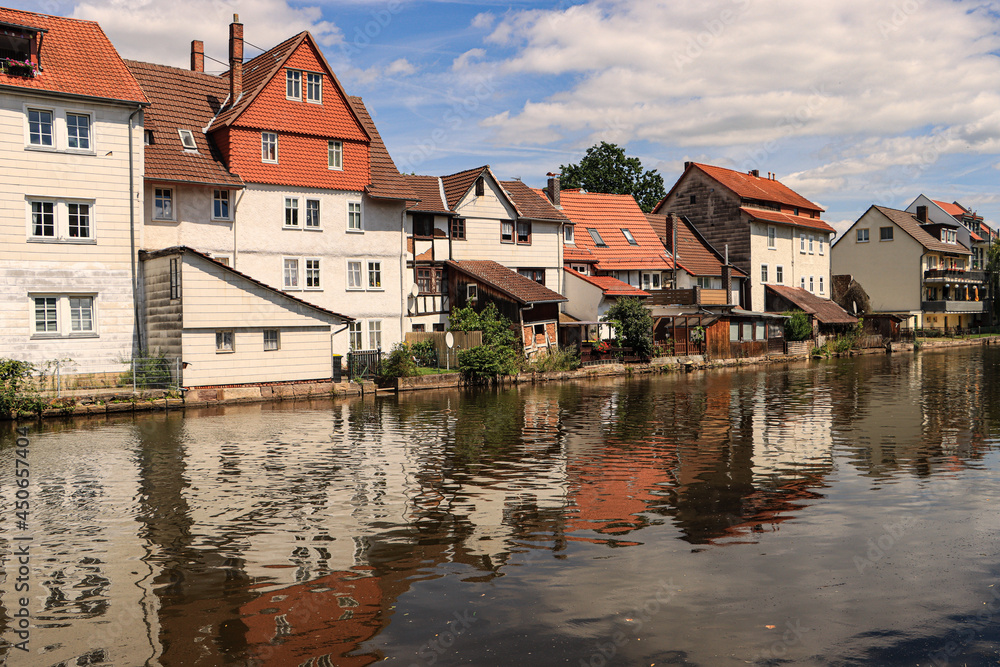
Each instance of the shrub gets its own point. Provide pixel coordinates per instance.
(397, 364)
(424, 353)
(561, 359)
(633, 325)
(496, 356)
(18, 391)
(797, 326)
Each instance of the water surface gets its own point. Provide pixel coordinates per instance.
(831, 513)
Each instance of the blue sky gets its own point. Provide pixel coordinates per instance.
(850, 103)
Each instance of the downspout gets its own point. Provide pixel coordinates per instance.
(920, 290)
(131, 230)
(403, 313)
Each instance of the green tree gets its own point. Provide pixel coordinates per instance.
(633, 325)
(496, 357)
(797, 326)
(606, 168)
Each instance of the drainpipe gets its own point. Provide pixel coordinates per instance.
(920, 288)
(403, 313)
(131, 230)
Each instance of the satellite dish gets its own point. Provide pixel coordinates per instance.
(415, 290)
(449, 340)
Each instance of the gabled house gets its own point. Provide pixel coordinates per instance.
(272, 168)
(973, 232)
(912, 267)
(769, 231)
(473, 216)
(699, 266)
(69, 139)
(612, 237)
(825, 316)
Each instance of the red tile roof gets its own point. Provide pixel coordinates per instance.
(386, 181)
(975, 237)
(610, 286)
(76, 59)
(803, 221)
(429, 190)
(456, 185)
(530, 203)
(951, 209)
(187, 100)
(694, 254)
(513, 284)
(824, 310)
(755, 187)
(608, 214)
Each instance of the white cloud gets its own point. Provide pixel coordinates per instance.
(483, 20)
(161, 32)
(400, 67)
(466, 60)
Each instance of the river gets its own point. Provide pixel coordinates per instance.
(842, 512)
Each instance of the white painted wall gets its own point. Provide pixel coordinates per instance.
(99, 268)
(788, 253)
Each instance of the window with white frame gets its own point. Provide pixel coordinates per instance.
(802, 282)
(354, 334)
(60, 221)
(810, 283)
(354, 216)
(568, 232)
(862, 236)
(802, 242)
(78, 131)
(187, 140)
(772, 237)
(63, 315)
(779, 274)
(269, 147)
(293, 84)
(374, 334)
(628, 237)
(354, 275)
(374, 275)
(314, 87)
(651, 280)
(472, 292)
(312, 274)
(290, 273)
(820, 239)
(312, 214)
(220, 205)
(763, 273)
(40, 127)
(272, 340)
(811, 238)
(335, 154)
(292, 212)
(225, 341)
(821, 284)
(163, 204)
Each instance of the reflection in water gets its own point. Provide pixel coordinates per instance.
(526, 525)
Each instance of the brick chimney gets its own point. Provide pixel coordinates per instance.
(235, 59)
(553, 188)
(922, 213)
(197, 55)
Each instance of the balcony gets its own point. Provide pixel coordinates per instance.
(688, 297)
(952, 306)
(954, 276)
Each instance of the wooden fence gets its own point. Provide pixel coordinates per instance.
(447, 358)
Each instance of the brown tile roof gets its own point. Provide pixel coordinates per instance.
(787, 219)
(387, 182)
(611, 286)
(824, 310)
(186, 100)
(755, 187)
(456, 185)
(909, 224)
(694, 254)
(174, 250)
(513, 284)
(531, 203)
(608, 214)
(77, 58)
(428, 189)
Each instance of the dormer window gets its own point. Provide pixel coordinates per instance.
(16, 49)
(293, 84)
(628, 237)
(314, 88)
(187, 140)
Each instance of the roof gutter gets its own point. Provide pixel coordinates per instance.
(73, 96)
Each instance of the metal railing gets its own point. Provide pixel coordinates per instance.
(61, 376)
(364, 364)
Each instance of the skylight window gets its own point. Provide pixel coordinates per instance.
(187, 140)
(628, 237)
(596, 235)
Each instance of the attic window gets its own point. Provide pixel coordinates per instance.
(628, 237)
(480, 187)
(15, 45)
(187, 140)
(596, 235)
